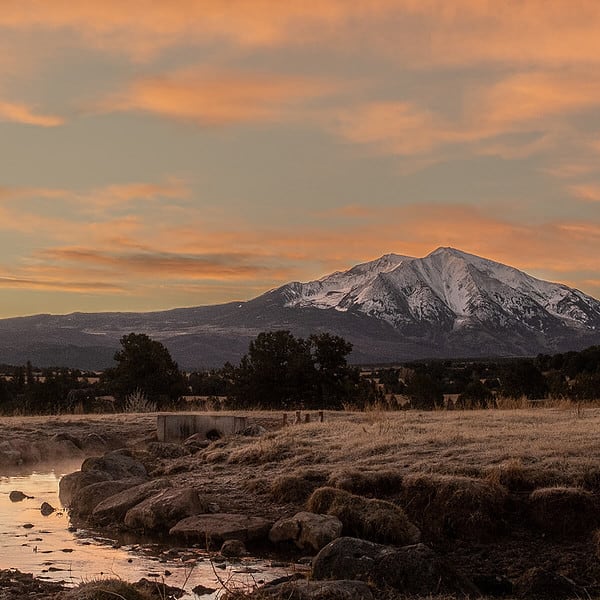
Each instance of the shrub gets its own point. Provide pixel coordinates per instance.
(374, 520)
(564, 511)
(296, 488)
(454, 506)
(370, 483)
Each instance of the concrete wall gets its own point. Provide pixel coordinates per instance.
(178, 427)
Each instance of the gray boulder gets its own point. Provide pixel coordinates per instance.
(233, 549)
(412, 569)
(114, 508)
(85, 500)
(308, 531)
(218, 527)
(119, 464)
(70, 484)
(166, 508)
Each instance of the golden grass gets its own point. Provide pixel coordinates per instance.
(543, 446)
(564, 510)
(368, 519)
(453, 506)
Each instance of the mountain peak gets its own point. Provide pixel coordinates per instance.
(440, 291)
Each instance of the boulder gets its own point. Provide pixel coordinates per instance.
(119, 464)
(85, 500)
(70, 484)
(308, 531)
(71, 440)
(344, 589)
(233, 549)
(167, 450)
(114, 508)
(218, 527)
(18, 496)
(46, 509)
(166, 508)
(412, 569)
(94, 442)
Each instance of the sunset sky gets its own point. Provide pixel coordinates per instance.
(179, 153)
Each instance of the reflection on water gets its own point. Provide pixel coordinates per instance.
(48, 547)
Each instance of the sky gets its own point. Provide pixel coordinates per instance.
(160, 154)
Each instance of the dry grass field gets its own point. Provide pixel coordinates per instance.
(510, 493)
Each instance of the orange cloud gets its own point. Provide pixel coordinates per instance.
(527, 97)
(536, 103)
(461, 32)
(218, 98)
(82, 287)
(155, 258)
(589, 192)
(20, 113)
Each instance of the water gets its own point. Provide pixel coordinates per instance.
(50, 548)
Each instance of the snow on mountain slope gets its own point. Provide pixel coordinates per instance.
(339, 289)
(448, 288)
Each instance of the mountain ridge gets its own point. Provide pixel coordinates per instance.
(449, 303)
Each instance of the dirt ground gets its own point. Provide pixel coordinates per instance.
(464, 477)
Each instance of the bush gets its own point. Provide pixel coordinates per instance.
(373, 520)
(453, 506)
(564, 511)
(371, 483)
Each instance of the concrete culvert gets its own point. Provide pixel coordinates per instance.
(213, 435)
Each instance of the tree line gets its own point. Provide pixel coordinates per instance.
(282, 371)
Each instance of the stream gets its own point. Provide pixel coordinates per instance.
(50, 548)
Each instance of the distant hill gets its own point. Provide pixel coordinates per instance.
(447, 304)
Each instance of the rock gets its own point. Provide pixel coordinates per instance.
(196, 442)
(93, 441)
(167, 450)
(412, 569)
(66, 437)
(46, 509)
(218, 527)
(87, 498)
(114, 508)
(344, 589)
(307, 530)
(18, 496)
(233, 549)
(119, 464)
(201, 590)
(253, 431)
(166, 508)
(70, 484)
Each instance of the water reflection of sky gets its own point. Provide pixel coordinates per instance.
(53, 550)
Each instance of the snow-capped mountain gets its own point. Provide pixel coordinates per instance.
(449, 289)
(395, 308)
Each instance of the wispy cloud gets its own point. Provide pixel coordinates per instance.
(219, 98)
(588, 192)
(21, 113)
